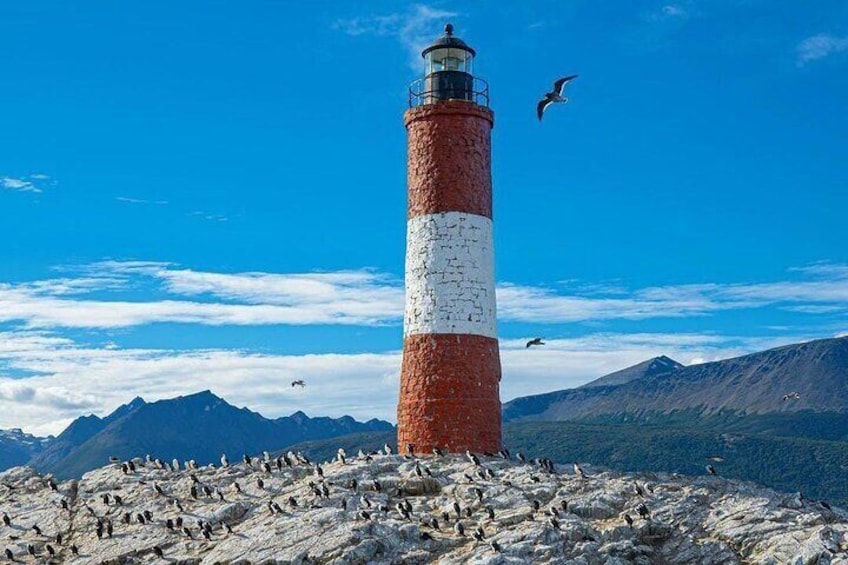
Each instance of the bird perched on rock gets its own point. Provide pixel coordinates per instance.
(534, 341)
(629, 520)
(555, 96)
(158, 551)
(578, 470)
(459, 529)
(478, 492)
(299, 383)
(711, 470)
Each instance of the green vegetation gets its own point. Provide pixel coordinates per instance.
(817, 468)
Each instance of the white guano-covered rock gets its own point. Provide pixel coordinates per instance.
(288, 519)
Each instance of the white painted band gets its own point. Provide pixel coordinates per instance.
(450, 275)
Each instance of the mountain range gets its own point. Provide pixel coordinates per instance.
(765, 390)
(199, 426)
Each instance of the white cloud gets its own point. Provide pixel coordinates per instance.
(343, 298)
(414, 29)
(19, 185)
(820, 46)
(674, 11)
(365, 297)
(207, 216)
(129, 200)
(670, 12)
(70, 379)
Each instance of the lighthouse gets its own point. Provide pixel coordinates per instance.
(451, 370)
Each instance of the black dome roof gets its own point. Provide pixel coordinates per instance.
(448, 40)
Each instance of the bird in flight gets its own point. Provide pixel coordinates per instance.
(555, 96)
(535, 341)
(792, 396)
(299, 383)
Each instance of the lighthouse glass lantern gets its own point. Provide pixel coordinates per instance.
(448, 66)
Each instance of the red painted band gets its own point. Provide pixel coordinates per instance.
(449, 158)
(449, 393)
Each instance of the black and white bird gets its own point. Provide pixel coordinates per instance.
(555, 96)
(578, 470)
(711, 470)
(534, 341)
(298, 382)
(792, 396)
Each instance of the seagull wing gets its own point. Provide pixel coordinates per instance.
(542, 106)
(559, 85)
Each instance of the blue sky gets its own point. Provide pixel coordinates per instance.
(212, 194)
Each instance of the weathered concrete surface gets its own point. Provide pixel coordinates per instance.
(697, 520)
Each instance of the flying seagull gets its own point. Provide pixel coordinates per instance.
(299, 383)
(555, 96)
(535, 341)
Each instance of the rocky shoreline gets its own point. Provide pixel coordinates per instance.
(394, 509)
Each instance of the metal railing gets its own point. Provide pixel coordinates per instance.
(420, 95)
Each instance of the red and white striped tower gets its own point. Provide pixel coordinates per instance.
(449, 389)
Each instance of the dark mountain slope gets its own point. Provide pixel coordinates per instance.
(537, 406)
(199, 426)
(649, 368)
(18, 447)
(77, 433)
(751, 385)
